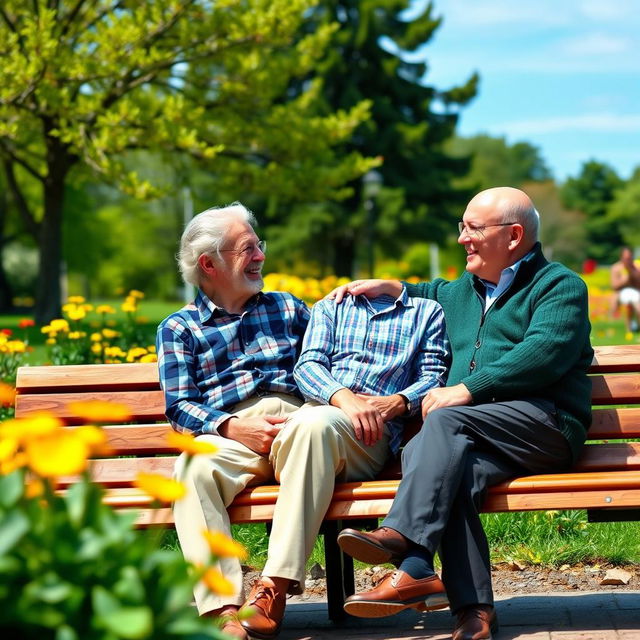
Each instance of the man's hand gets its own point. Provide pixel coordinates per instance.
(367, 422)
(389, 407)
(256, 433)
(369, 288)
(445, 397)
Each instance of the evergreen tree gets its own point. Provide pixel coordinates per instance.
(373, 57)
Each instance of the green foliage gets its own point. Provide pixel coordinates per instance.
(369, 60)
(591, 193)
(73, 569)
(495, 163)
(82, 85)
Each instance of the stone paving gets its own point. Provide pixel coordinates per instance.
(606, 615)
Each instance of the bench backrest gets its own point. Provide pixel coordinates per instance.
(615, 376)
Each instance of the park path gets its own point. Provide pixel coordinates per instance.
(607, 615)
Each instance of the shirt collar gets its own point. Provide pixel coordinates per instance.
(207, 308)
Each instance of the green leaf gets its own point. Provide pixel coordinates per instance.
(13, 526)
(11, 488)
(130, 622)
(66, 633)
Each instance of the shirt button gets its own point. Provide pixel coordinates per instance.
(472, 366)
(477, 344)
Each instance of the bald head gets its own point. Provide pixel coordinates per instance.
(507, 204)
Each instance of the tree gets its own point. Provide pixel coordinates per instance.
(371, 58)
(592, 192)
(82, 84)
(496, 163)
(624, 211)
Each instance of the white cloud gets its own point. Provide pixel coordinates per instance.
(592, 123)
(594, 44)
(609, 10)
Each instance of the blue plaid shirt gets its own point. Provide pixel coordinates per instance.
(209, 359)
(378, 347)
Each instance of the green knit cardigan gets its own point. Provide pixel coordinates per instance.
(533, 342)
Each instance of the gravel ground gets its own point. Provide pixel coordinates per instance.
(507, 579)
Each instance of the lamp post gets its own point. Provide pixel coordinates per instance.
(371, 183)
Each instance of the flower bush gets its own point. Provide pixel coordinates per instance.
(72, 568)
(87, 334)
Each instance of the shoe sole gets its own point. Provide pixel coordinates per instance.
(261, 636)
(366, 551)
(377, 609)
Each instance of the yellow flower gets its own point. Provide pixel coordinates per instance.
(134, 293)
(160, 487)
(96, 348)
(8, 448)
(105, 308)
(75, 299)
(87, 307)
(95, 337)
(135, 352)
(76, 313)
(50, 341)
(76, 335)
(150, 357)
(16, 346)
(61, 453)
(100, 411)
(110, 333)
(129, 307)
(38, 424)
(7, 395)
(187, 443)
(222, 546)
(11, 464)
(59, 324)
(114, 352)
(95, 438)
(217, 583)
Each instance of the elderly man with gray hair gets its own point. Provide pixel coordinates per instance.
(227, 371)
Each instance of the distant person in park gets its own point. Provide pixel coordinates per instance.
(226, 366)
(625, 282)
(517, 401)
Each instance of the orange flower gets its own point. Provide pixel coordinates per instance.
(100, 411)
(37, 425)
(160, 487)
(188, 444)
(222, 546)
(61, 453)
(7, 395)
(26, 322)
(217, 583)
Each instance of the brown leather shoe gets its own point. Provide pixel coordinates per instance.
(478, 622)
(264, 609)
(398, 591)
(230, 624)
(376, 547)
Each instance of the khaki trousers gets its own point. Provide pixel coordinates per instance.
(315, 447)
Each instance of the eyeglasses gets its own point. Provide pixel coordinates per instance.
(249, 250)
(478, 232)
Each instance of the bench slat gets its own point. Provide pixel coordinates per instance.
(139, 375)
(616, 358)
(623, 388)
(144, 405)
(615, 423)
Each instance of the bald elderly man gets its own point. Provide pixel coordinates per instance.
(517, 402)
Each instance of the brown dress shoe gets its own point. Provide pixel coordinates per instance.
(398, 591)
(478, 622)
(376, 547)
(264, 609)
(230, 624)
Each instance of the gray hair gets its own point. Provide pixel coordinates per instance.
(527, 216)
(205, 234)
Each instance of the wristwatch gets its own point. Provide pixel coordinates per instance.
(407, 403)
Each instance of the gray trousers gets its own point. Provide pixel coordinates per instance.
(446, 471)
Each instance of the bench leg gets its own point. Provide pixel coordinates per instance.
(339, 571)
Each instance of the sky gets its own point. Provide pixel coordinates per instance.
(563, 75)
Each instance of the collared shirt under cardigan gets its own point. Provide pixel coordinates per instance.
(380, 347)
(533, 341)
(210, 359)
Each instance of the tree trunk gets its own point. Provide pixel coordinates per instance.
(343, 255)
(6, 292)
(50, 249)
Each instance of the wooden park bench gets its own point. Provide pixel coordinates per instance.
(605, 481)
